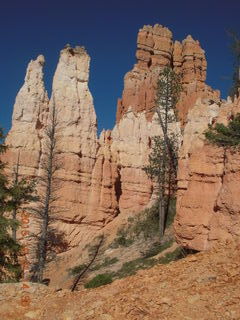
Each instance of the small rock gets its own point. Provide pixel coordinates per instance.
(192, 259)
(166, 300)
(32, 314)
(106, 317)
(194, 298)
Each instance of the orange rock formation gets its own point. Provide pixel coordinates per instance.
(101, 178)
(208, 205)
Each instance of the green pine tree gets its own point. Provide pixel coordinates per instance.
(12, 197)
(21, 192)
(163, 158)
(9, 269)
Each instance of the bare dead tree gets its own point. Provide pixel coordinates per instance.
(87, 267)
(14, 211)
(48, 186)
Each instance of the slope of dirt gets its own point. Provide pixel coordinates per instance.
(202, 286)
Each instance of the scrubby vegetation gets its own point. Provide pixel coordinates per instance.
(225, 136)
(77, 269)
(106, 263)
(122, 239)
(99, 280)
(177, 254)
(141, 235)
(131, 267)
(143, 226)
(157, 248)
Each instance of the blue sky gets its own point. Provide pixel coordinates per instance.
(108, 30)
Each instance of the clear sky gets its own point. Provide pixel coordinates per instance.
(108, 30)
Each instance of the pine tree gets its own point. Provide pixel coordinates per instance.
(9, 269)
(12, 197)
(163, 158)
(21, 192)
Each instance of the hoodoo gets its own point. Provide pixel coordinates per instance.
(102, 177)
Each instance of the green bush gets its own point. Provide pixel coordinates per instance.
(99, 280)
(122, 240)
(131, 267)
(172, 256)
(77, 269)
(157, 248)
(225, 136)
(107, 262)
(146, 223)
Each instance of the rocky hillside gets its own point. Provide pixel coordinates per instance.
(203, 286)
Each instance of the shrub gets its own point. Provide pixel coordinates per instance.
(157, 248)
(122, 240)
(143, 225)
(146, 223)
(225, 136)
(131, 267)
(107, 262)
(99, 280)
(77, 269)
(172, 256)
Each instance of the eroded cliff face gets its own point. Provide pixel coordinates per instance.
(28, 120)
(208, 205)
(136, 122)
(102, 178)
(155, 50)
(76, 135)
(76, 140)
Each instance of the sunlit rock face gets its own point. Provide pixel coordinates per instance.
(155, 50)
(100, 178)
(208, 205)
(76, 133)
(136, 123)
(76, 137)
(28, 120)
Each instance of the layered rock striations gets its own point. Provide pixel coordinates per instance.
(76, 133)
(101, 178)
(155, 50)
(76, 138)
(29, 118)
(136, 122)
(208, 205)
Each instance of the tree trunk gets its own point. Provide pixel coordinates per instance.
(88, 266)
(14, 228)
(161, 212)
(42, 251)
